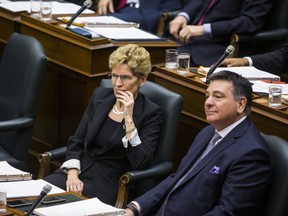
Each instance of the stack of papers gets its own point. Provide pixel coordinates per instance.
(89, 207)
(249, 72)
(112, 28)
(10, 173)
(57, 7)
(263, 87)
(27, 188)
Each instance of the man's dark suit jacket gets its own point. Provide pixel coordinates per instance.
(275, 62)
(148, 13)
(232, 180)
(227, 18)
(109, 162)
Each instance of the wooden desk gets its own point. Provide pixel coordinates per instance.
(268, 120)
(8, 25)
(76, 66)
(69, 196)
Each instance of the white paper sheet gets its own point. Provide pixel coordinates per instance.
(7, 169)
(57, 7)
(80, 208)
(94, 19)
(10, 173)
(263, 87)
(124, 33)
(115, 33)
(27, 188)
(249, 72)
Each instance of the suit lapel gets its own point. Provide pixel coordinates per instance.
(196, 150)
(103, 108)
(220, 147)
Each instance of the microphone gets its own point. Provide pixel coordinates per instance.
(46, 189)
(86, 4)
(229, 50)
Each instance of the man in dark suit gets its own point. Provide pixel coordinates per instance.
(274, 62)
(144, 12)
(205, 27)
(233, 178)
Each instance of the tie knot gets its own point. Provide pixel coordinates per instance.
(215, 138)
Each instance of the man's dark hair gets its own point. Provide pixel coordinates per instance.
(241, 86)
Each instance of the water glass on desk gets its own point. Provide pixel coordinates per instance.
(3, 200)
(35, 8)
(275, 96)
(46, 11)
(171, 58)
(183, 63)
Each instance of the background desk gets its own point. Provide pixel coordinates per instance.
(8, 25)
(268, 120)
(68, 196)
(76, 66)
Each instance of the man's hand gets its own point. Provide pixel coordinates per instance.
(234, 62)
(178, 23)
(190, 31)
(128, 212)
(105, 6)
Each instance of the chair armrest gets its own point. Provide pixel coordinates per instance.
(270, 35)
(164, 20)
(152, 172)
(56, 153)
(278, 34)
(158, 170)
(16, 124)
(46, 158)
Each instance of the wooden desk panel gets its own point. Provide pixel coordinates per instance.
(81, 54)
(268, 120)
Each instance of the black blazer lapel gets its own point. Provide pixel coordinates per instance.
(102, 108)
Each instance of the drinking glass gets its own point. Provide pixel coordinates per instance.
(275, 96)
(46, 11)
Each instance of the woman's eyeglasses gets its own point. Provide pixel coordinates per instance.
(123, 77)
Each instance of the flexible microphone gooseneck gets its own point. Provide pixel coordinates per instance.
(229, 50)
(46, 189)
(86, 4)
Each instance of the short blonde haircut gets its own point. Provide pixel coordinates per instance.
(136, 57)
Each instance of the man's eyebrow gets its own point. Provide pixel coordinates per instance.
(214, 92)
(218, 92)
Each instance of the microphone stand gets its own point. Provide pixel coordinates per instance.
(229, 50)
(47, 188)
(86, 4)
